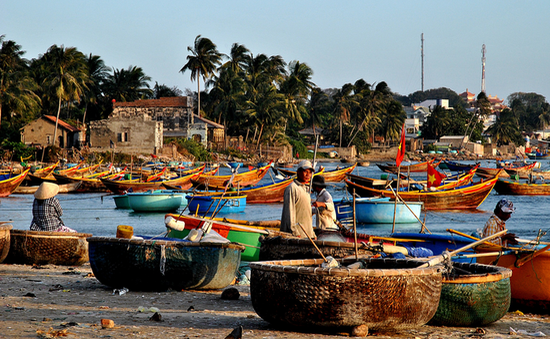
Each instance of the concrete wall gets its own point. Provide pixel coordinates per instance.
(130, 134)
(40, 132)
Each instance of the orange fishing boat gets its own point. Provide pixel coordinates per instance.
(125, 186)
(512, 187)
(44, 172)
(9, 182)
(458, 198)
(413, 168)
(240, 179)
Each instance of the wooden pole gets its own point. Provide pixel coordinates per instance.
(396, 198)
(404, 203)
(355, 227)
(313, 242)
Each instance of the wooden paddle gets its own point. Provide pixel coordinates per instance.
(445, 256)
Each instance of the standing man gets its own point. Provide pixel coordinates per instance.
(297, 203)
(497, 222)
(323, 207)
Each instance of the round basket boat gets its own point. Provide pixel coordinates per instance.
(284, 248)
(387, 294)
(156, 264)
(473, 295)
(4, 241)
(42, 248)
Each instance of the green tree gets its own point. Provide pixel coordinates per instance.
(163, 91)
(16, 87)
(67, 76)
(437, 123)
(392, 120)
(128, 85)
(318, 107)
(202, 62)
(93, 96)
(266, 111)
(344, 103)
(505, 129)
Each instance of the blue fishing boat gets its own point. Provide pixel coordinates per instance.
(121, 201)
(155, 201)
(378, 211)
(209, 204)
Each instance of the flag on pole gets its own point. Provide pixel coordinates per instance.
(434, 176)
(401, 149)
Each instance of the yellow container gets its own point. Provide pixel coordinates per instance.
(124, 231)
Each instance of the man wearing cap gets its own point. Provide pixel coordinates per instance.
(297, 203)
(46, 210)
(497, 222)
(323, 207)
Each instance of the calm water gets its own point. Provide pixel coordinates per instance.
(96, 213)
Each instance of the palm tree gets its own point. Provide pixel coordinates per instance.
(98, 73)
(237, 58)
(202, 62)
(16, 87)
(266, 109)
(505, 129)
(296, 88)
(345, 102)
(68, 76)
(228, 92)
(392, 121)
(128, 84)
(318, 107)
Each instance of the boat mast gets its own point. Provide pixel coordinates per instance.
(483, 68)
(422, 59)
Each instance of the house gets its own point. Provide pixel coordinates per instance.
(40, 132)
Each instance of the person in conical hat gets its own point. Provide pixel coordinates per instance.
(47, 211)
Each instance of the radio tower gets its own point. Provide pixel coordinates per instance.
(422, 60)
(483, 68)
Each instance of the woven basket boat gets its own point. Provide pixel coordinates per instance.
(281, 248)
(4, 241)
(387, 294)
(156, 265)
(475, 295)
(42, 248)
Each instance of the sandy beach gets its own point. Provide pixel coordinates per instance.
(57, 301)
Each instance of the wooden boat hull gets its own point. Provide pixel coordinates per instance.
(248, 235)
(64, 188)
(121, 202)
(124, 186)
(378, 211)
(206, 205)
(156, 264)
(510, 187)
(44, 172)
(265, 194)
(487, 172)
(239, 180)
(338, 174)
(157, 201)
(42, 248)
(477, 298)
(390, 294)
(414, 168)
(469, 197)
(8, 185)
(285, 248)
(530, 282)
(456, 166)
(4, 241)
(87, 185)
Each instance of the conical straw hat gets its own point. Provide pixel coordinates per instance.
(46, 190)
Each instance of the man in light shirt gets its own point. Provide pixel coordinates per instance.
(323, 207)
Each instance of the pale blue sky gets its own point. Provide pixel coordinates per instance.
(342, 41)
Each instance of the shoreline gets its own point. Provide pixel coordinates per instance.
(45, 300)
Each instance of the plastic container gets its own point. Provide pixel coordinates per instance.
(124, 231)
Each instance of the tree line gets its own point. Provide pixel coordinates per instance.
(261, 97)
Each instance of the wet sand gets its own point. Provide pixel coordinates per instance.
(50, 301)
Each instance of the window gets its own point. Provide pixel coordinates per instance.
(122, 137)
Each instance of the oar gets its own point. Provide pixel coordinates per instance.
(520, 262)
(313, 242)
(466, 235)
(417, 218)
(445, 256)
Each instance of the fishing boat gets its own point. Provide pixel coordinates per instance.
(456, 166)
(63, 188)
(537, 155)
(287, 247)
(291, 173)
(121, 201)
(44, 172)
(378, 210)
(179, 226)
(209, 204)
(240, 179)
(9, 182)
(336, 175)
(88, 183)
(473, 295)
(4, 240)
(158, 264)
(155, 201)
(124, 186)
(513, 187)
(412, 168)
(43, 248)
(457, 198)
(267, 193)
(386, 294)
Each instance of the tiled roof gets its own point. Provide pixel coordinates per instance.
(162, 102)
(62, 123)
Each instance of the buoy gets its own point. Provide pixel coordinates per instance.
(124, 231)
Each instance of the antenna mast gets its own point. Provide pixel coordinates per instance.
(422, 58)
(483, 68)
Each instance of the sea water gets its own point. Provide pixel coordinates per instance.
(97, 214)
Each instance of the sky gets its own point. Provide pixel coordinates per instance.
(341, 41)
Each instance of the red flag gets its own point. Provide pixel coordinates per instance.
(434, 176)
(401, 150)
